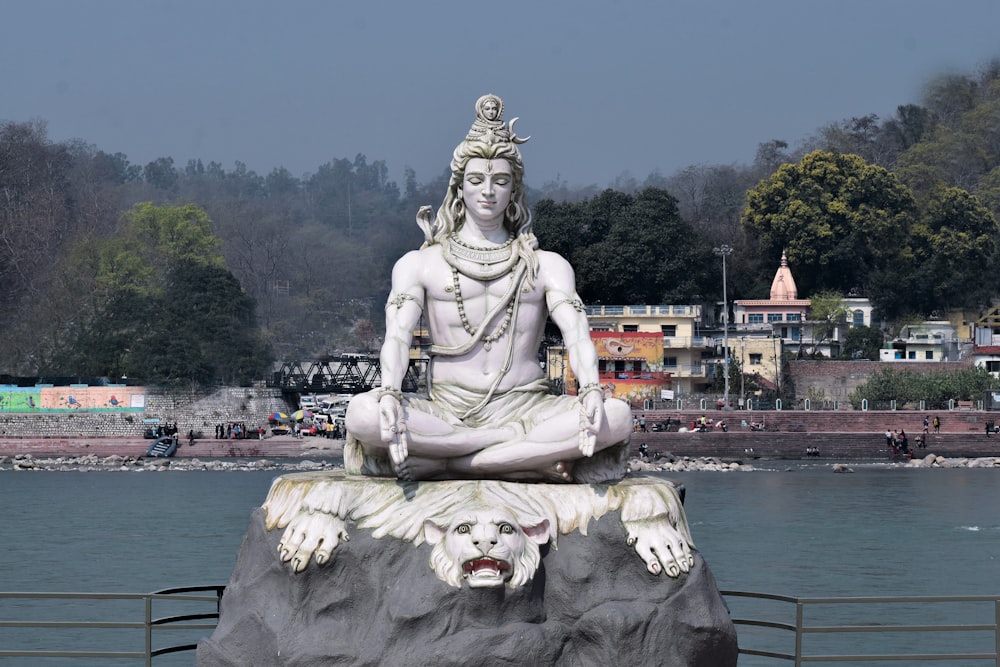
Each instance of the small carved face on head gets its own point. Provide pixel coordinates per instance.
(487, 548)
(489, 107)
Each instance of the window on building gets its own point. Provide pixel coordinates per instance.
(858, 318)
(755, 318)
(912, 354)
(756, 359)
(929, 354)
(796, 333)
(669, 329)
(993, 366)
(774, 317)
(793, 317)
(630, 328)
(670, 362)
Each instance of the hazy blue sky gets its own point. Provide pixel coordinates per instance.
(603, 87)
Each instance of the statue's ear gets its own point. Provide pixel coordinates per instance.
(539, 533)
(433, 533)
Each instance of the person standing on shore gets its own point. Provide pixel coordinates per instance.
(937, 424)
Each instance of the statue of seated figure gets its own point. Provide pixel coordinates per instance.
(486, 290)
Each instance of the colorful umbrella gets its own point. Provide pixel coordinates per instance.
(299, 415)
(277, 416)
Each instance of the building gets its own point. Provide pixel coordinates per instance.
(927, 341)
(782, 316)
(678, 330)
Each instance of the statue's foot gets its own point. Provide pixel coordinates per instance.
(561, 472)
(558, 472)
(415, 468)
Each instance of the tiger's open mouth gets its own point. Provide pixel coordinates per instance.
(485, 572)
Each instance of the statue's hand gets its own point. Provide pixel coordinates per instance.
(392, 424)
(660, 545)
(311, 535)
(591, 420)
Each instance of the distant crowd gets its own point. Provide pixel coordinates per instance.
(238, 431)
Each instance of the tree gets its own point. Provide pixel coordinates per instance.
(628, 249)
(157, 302)
(955, 247)
(862, 342)
(827, 311)
(838, 219)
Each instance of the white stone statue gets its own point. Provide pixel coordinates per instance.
(485, 533)
(486, 291)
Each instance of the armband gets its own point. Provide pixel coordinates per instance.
(399, 300)
(574, 303)
(588, 388)
(388, 391)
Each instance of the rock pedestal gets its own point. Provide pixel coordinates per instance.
(591, 601)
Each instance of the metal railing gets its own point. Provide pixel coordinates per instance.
(898, 626)
(36, 637)
(909, 622)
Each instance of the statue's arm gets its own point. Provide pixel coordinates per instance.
(402, 313)
(568, 313)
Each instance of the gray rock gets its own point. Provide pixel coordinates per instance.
(377, 603)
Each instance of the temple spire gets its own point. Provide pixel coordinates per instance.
(783, 286)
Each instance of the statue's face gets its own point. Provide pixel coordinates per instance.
(490, 110)
(487, 189)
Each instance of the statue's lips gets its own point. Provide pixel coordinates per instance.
(484, 567)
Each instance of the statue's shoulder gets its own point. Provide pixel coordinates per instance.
(418, 258)
(552, 262)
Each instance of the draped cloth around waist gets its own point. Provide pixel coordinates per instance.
(527, 405)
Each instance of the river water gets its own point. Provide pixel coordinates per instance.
(796, 529)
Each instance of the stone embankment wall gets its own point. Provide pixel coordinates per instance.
(835, 421)
(190, 409)
(837, 435)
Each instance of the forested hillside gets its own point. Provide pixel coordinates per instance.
(199, 272)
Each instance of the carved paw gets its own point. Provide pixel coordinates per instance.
(661, 546)
(311, 536)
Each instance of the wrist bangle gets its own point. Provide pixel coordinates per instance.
(588, 388)
(388, 391)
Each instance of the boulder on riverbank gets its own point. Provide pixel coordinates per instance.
(935, 461)
(669, 463)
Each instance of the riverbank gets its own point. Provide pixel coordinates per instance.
(278, 446)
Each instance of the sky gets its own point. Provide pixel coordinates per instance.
(605, 88)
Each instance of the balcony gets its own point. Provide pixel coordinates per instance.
(688, 342)
(644, 311)
(686, 371)
(659, 376)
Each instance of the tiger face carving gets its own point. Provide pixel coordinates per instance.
(487, 548)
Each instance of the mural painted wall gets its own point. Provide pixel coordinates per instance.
(74, 398)
(636, 345)
(640, 351)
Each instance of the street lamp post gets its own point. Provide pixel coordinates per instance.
(724, 251)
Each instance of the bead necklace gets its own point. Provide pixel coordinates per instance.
(480, 263)
(500, 329)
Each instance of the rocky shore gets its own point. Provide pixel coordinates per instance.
(668, 463)
(118, 463)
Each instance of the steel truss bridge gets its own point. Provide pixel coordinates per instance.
(347, 374)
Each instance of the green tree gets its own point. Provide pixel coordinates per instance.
(909, 386)
(838, 218)
(827, 311)
(955, 248)
(627, 249)
(862, 342)
(159, 303)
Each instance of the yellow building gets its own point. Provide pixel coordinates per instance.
(677, 366)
